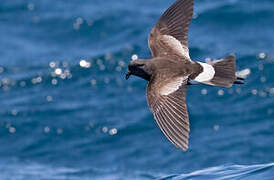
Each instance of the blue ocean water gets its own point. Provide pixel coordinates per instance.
(68, 113)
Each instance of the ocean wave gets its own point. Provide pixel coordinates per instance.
(26, 169)
(261, 171)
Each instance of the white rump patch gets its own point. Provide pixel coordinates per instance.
(172, 86)
(207, 74)
(176, 45)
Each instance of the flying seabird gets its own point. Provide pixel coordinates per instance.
(171, 69)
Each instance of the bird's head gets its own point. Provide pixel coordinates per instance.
(140, 68)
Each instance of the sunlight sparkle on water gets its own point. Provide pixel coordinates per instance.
(12, 130)
(49, 98)
(254, 91)
(93, 82)
(204, 91)
(52, 64)
(105, 129)
(113, 131)
(216, 127)
(63, 76)
(37, 80)
(221, 92)
(79, 21)
(54, 81)
(84, 64)
(58, 71)
(262, 55)
(46, 129)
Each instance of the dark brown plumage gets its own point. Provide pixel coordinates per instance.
(171, 69)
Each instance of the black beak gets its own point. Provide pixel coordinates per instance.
(128, 75)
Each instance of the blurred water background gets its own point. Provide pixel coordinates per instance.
(68, 113)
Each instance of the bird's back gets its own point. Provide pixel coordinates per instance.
(174, 66)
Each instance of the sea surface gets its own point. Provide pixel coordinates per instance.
(67, 112)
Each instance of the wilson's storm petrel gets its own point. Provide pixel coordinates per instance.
(170, 71)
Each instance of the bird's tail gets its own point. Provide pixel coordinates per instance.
(220, 73)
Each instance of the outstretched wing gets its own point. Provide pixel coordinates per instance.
(168, 105)
(170, 35)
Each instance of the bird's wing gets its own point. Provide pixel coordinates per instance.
(169, 36)
(168, 105)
